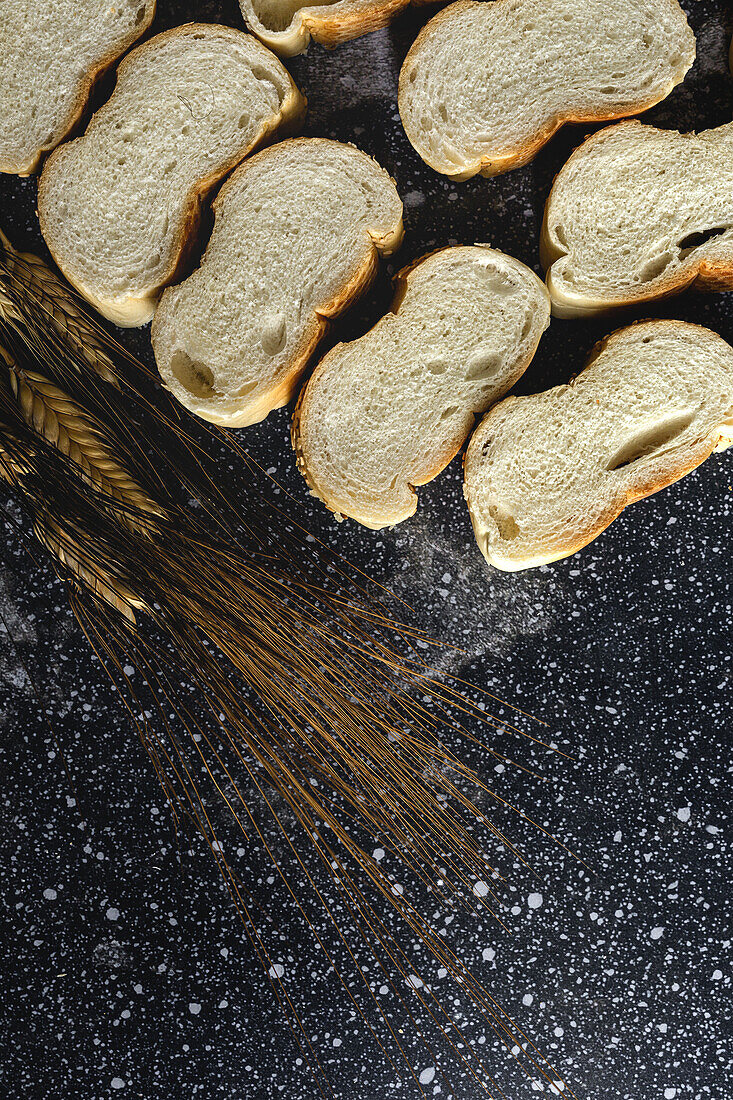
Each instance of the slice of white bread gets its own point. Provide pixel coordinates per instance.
(485, 85)
(51, 52)
(637, 214)
(390, 410)
(544, 475)
(297, 237)
(120, 205)
(287, 26)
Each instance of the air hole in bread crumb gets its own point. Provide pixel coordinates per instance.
(450, 411)
(193, 376)
(436, 366)
(527, 327)
(650, 440)
(694, 240)
(274, 334)
(482, 364)
(561, 236)
(259, 72)
(653, 268)
(505, 521)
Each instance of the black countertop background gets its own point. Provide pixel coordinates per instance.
(126, 971)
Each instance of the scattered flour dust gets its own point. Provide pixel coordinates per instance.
(466, 603)
(16, 633)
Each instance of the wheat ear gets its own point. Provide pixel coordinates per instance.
(55, 416)
(27, 274)
(69, 553)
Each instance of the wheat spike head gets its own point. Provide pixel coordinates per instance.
(65, 425)
(27, 274)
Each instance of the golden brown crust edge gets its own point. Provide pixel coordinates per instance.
(443, 458)
(331, 32)
(87, 83)
(524, 154)
(636, 492)
(361, 279)
(132, 311)
(329, 25)
(709, 275)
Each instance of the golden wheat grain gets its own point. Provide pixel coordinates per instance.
(54, 415)
(26, 274)
(69, 553)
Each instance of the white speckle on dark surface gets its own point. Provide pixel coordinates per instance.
(620, 972)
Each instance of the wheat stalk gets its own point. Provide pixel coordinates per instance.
(298, 681)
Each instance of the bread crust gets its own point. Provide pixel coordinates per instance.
(443, 456)
(519, 157)
(318, 325)
(132, 311)
(329, 25)
(706, 274)
(84, 88)
(719, 439)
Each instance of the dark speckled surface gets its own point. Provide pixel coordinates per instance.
(125, 970)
